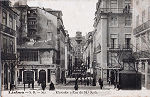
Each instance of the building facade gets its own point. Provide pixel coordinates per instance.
(141, 36)
(69, 60)
(38, 50)
(61, 44)
(112, 36)
(8, 18)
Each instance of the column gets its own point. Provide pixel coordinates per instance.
(146, 74)
(46, 76)
(140, 66)
(22, 76)
(34, 75)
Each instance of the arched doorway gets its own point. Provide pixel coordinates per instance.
(112, 77)
(42, 76)
(28, 77)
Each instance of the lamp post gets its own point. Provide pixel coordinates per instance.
(23, 78)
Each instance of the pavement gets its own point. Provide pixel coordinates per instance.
(68, 87)
(83, 91)
(77, 93)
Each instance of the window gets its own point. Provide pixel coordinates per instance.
(137, 20)
(113, 59)
(137, 2)
(49, 22)
(114, 41)
(127, 2)
(4, 18)
(5, 45)
(138, 43)
(128, 20)
(49, 35)
(10, 21)
(113, 4)
(11, 46)
(28, 55)
(148, 36)
(127, 40)
(143, 16)
(113, 21)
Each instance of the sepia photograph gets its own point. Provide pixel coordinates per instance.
(75, 48)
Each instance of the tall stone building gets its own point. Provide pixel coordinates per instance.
(38, 46)
(112, 36)
(8, 18)
(61, 43)
(141, 38)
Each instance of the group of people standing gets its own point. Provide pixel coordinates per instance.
(51, 86)
(87, 82)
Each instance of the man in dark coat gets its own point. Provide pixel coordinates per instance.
(100, 83)
(88, 82)
(43, 85)
(76, 86)
(51, 86)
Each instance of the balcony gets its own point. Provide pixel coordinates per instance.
(114, 46)
(8, 56)
(6, 3)
(34, 27)
(114, 10)
(7, 30)
(120, 47)
(142, 27)
(32, 15)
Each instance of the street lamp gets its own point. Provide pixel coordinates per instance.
(23, 78)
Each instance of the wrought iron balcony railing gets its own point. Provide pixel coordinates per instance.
(7, 30)
(115, 10)
(142, 27)
(6, 3)
(119, 46)
(114, 46)
(127, 46)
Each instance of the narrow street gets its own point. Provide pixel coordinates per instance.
(75, 47)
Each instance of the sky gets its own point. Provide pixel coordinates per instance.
(78, 15)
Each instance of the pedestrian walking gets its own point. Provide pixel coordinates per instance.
(85, 82)
(43, 85)
(115, 85)
(76, 86)
(128, 8)
(100, 83)
(118, 86)
(51, 86)
(94, 82)
(109, 81)
(88, 82)
(32, 83)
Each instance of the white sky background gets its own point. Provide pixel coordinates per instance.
(78, 15)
